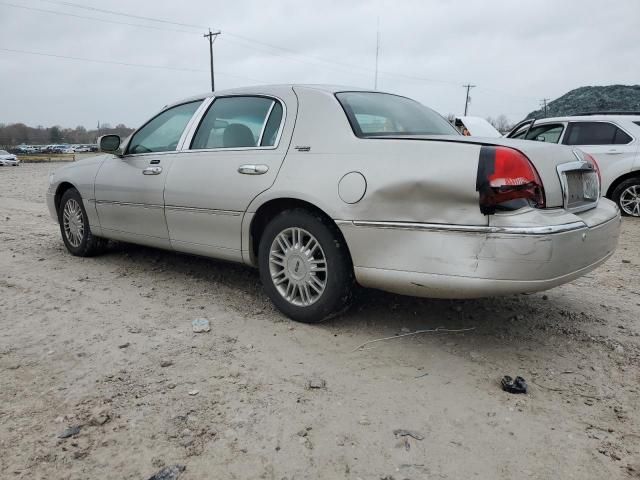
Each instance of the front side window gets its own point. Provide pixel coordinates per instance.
(549, 133)
(239, 122)
(377, 114)
(595, 133)
(163, 132)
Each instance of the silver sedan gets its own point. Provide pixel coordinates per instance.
(321, 187)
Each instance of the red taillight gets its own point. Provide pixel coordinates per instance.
(591, 160)
(507, 180)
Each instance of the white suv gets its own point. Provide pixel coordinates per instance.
(612, 138)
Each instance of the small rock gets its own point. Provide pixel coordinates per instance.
(626, 261)
(99, 417)
(364, 420)
(316, 383)
(405, 330)
(166, 363)
(171, 386)
(70, 432)
(124, 345)
(168, 473)
(545, 297)
(193, 393)
(200, 325)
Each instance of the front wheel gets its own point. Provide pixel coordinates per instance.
(627, 196)
(74, 226)
(305, 266)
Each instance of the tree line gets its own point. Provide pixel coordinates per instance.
(19, 133)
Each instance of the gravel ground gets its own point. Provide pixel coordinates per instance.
(106, 344)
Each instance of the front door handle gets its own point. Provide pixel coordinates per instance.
(253, 169)
(152, 171)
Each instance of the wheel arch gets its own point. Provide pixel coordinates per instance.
(269, 209)
(619, 180)
(60, 191)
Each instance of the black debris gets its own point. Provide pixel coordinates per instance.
(519, 385)
(408, 433)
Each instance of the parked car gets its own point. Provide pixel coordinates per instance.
(476, 127)
(319, 186)
(613, 139)
(8, 159)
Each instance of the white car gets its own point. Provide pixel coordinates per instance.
(8, 159)
(613, 139)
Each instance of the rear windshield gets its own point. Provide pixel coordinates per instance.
(373, 114)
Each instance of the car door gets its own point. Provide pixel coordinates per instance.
(234, 154)
(129, 189)
(612, 147)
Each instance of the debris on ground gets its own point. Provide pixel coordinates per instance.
(400, 432)
(99, 417)
(417, 332)
(166, 363)
(70, 432)
(168, 473)
(124, 345)
(193, 393)
(316, 383)
(200, 325)
(519, 385)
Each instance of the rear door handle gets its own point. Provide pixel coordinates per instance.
(253, 169)
(152, 171)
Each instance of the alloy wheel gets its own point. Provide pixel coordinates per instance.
(73, 223)
(298, 266)
(630, 200)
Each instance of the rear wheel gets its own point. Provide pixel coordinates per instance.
(627, 196)
(305, 267)
(75, 228)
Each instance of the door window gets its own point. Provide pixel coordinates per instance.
(595, 133)
(163, 132)
(549, 133)
(239, 122)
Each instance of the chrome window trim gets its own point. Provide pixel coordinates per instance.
(562, 169)
(610, 122)
(276, 144)
(479, 229)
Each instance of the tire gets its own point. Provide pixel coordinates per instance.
(76, 231)
(623, 195)
(309, 284)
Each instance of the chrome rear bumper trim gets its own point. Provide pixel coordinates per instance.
(438, 227)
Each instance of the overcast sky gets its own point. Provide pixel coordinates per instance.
(516, 52)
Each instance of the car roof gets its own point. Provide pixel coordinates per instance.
(275, 90)
(600, 117)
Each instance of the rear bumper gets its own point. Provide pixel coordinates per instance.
(524, 251)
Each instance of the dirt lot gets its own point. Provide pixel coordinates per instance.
(106, 344)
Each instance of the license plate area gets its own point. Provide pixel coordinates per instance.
(580, 185)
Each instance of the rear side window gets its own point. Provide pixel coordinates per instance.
(239, 122)
(595, 133)
(374, 114)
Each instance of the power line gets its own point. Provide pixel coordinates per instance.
(104, 20)
(122, 14)
(111, 62)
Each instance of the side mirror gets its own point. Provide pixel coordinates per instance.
(110, 144)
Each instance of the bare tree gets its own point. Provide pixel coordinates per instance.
(500, 123)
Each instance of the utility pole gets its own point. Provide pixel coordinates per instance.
(466, 103)
(212, 37)
(543, 104)
(375, 81)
